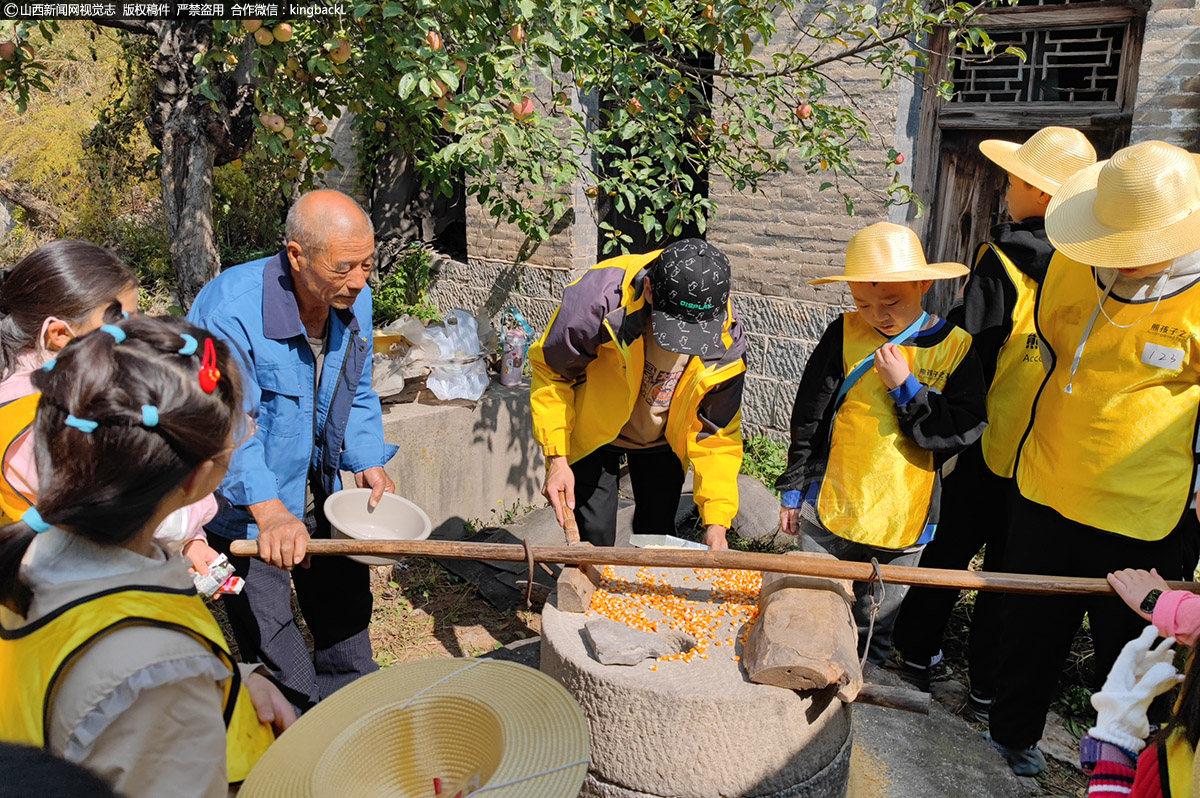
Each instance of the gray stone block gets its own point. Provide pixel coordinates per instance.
(758, 510)
(614, 643)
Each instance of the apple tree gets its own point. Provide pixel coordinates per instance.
(635, 98)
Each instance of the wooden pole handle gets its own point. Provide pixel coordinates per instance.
(882, 695)
(570, 527)
(1033, 584)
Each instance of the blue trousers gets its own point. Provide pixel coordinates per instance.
(335, 599)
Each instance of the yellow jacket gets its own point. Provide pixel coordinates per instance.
(587, 370)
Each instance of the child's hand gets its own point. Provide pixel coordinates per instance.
(200, 553)
(891, 365)
(1132, 585)
(789, 520)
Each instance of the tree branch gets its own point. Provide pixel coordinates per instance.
(127, 25)
(43, 213)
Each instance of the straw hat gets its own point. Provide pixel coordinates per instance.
(393, 732)
(1140, 207)
(1046, 160)
(889, 253)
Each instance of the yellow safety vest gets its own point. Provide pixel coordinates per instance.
(1019, 373)
(34, 656)
(878, 483)
(1117, 453)
(16, 417)
(1175, 758)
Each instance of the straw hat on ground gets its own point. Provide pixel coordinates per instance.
(1046, 160)
(889, 253)
(1139, 208)
(511, 729)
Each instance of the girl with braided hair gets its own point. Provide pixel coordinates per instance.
(59, 291)
(113, 661)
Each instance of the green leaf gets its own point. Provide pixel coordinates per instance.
(392, 10)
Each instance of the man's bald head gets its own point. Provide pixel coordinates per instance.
(319, 216)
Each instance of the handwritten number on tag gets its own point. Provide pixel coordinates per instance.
(1162, 357)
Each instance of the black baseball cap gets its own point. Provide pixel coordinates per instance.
(690, 292)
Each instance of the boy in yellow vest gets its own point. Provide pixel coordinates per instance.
(888, 394)
(997, 311)
(1107, 469)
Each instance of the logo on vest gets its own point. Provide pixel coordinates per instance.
(1033, 349)
(1167, 331)
(934, 378)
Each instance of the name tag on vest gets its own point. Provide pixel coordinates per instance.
(1162, 357)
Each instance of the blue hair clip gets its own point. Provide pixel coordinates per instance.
(189, 345)
(49, 365)
(149, 416)
(115, 331)
(81, 424)
(33, 520)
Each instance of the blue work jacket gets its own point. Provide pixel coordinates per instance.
(252, 307)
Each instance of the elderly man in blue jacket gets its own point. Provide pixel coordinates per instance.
(300, 325)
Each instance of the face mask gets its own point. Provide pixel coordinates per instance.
(39, 347)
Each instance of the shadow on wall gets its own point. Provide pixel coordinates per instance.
(521, 450)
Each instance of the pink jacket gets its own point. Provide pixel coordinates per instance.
(1177, 614)
(20, 466)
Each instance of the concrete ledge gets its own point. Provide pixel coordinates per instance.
(464, 462)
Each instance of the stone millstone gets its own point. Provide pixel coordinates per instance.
(696, 729)
(614, 643)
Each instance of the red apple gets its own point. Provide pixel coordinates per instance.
(522, 111)
(251, 25)
(341, 53)
(434, 39)
(264, 37)
(804, 111)
(634, 106)
(283, 32)
(899, 158)
(518, 35)
(8, 52)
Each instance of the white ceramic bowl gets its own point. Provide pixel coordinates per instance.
(394, 518)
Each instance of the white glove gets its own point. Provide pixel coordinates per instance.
(1139, 675)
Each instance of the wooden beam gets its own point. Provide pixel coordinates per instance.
(1033, 584)
(1058, 16)
(1032, 116)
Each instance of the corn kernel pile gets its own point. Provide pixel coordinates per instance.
(650, 603)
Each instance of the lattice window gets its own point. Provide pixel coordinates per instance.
(1080, 64)
(1027, 3)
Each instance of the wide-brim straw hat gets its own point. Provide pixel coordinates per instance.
(889, 253)
(393, 732)
(1138, 208)
(1047, 160)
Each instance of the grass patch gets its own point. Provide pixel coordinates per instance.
(764, 458)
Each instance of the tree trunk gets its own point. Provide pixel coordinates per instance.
(193, 134)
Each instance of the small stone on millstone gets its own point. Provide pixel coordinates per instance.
(614, 643)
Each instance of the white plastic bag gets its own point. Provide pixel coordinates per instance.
(387, 375)
(461, 373)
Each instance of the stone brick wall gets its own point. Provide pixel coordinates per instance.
(1168, 96)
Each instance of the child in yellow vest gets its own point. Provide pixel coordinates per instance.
(111, 659)
(1107, 468)
(997, 311)
(888, 394)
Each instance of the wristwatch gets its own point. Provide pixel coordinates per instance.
(1149, 601)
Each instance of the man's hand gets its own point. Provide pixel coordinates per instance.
(1132, 585)
(378, 481)
(200, 554)
(269, 703)
(892, 366)
(714, 537)
(789, 520)
(559, 479)
(282, 537)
